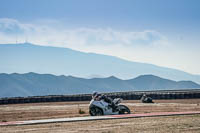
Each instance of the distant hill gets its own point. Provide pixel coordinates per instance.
(33, 84)
(24, 58)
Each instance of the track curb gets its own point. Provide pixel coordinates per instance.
(93, 118)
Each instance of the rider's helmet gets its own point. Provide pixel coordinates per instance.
(144, 95)
(94, 94)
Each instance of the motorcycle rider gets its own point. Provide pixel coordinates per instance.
(98, 97)
(146, 99)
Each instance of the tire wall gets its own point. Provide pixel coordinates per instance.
(87, 97)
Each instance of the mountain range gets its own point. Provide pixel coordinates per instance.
(26, 57)
(33, 84)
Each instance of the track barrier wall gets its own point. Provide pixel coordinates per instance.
(133, 95)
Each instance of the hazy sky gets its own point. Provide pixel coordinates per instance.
(161, 32)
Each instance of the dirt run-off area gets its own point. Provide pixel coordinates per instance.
(35, 111)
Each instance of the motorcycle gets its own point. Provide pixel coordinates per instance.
(100, 107)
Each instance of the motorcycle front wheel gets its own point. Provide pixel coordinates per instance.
(94, 111)
(124, 109)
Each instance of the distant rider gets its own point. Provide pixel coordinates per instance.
(146, 99)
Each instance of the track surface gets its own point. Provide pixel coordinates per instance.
(89, 118)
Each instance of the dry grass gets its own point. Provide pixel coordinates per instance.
(16, 112)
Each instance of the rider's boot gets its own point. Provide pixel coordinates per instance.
(114, 108)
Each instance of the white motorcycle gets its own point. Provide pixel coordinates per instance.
(100, 107)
